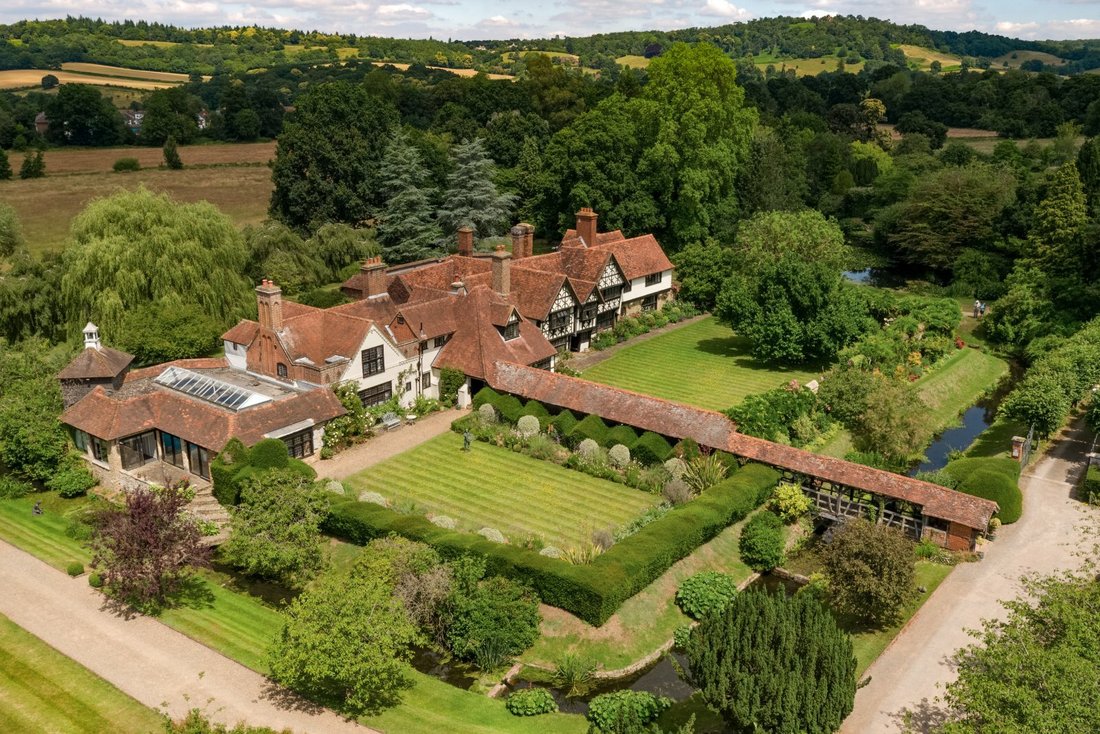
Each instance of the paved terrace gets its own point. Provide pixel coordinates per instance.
(715, 430)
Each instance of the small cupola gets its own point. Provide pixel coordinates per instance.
(91, 336)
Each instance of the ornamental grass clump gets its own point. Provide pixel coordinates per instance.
(704, 471)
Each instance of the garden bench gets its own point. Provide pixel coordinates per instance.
(390, 421)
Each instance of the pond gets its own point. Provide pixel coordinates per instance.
(450, 671)
(878, 277)
(972, 423)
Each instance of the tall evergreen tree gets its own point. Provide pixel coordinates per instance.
(774, 663)
(406, 230)
(1088, 168)
(5, 166)
(1059, 223)
(471, 198)
(531, 180)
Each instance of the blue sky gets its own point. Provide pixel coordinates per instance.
(468, 19)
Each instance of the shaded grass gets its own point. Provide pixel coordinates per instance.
(702, 364)
(46, 206)
(645, 621)
(958, 382)
(43, 536)
(502, 489)
(997, 439)
(41, 690)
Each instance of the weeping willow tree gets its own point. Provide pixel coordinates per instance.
(136, 247)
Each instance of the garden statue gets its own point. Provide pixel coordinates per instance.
(467, 439)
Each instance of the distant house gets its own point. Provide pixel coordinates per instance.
(133, 120)
(41, 123)
(202, 119)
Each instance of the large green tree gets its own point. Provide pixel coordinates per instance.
(11, 233)
(894, 423)
(170, 113)
(137, 247)
(471, 197)
(806, 235)
(406, 228)
(703, 137)
(276, 527)
(346, 640)
(80, 115)
(1038, 669)
(871, 570)
(276, 251)
(160, 331)
(774, 663)
(1059, 223)
(327, 159)
(32, 441)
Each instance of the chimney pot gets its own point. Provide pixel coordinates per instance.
(466, 241)
(375, 270)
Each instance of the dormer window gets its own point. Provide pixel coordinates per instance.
(511, 331)
(280, 370)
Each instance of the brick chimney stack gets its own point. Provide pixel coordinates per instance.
(586, 225)
(523, 240)
(466, 241)
(375, 270)
(502, 276)
(269, 303)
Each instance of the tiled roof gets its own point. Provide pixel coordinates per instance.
(243, 333)
(201, 363)
(478, 345)
(713, 429)
(322, 333)
(96, 364)
(145, 406)
(638, 256)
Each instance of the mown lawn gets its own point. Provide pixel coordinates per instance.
(702, 364)
(958, 382)
(645, 621)
(41, 690)
(498, 488)
(241, 626)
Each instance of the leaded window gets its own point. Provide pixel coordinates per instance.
(374, 361)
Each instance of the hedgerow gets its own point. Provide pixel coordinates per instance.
(509, 407)
(651, 449)
(591, 427)
(621, 434)
(484, 395)
(993, 479)
(592, 592)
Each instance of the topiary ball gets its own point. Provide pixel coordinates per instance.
(675, 468)
(487, 413)
(589, 449)
(528, 425)
(619, 456)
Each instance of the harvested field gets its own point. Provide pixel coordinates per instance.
(808, 66)
(1015, 59)
(634, 62)
(19, 78)
(456, 72)
(46, 206)
(923, 57)
(125, 73)
(100, 160)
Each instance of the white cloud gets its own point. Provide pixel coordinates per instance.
(1008, 27)
(723, 9)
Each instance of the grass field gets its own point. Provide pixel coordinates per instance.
(20, 78)
(46, 206)
(634, 62)
(701, 364)
(922, 58)
(509, 56)
(123, 72)
(240, 626)
(498, 488)
(958, 382)
(1015, 59)
(41, 690)
(807, 66)
(645, 621)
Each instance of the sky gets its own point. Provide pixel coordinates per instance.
(492, 19)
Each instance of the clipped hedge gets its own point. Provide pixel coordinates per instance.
(270, 453)
(564, 422)
(1091, 488)
(687, 449)
(621, 434)
(538, 410)
(992, 479)
(484, 395)
(592, 592)
(651, 449)
(236, 463)
(509, 407)
(591, 427)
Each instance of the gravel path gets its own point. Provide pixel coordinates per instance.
(907, 678)
(386, 445)
(158, 666)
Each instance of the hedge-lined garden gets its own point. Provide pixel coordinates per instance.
(591, 591)
(236, 463)
(991, 478)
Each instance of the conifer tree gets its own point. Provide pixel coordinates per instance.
(406, 230)
(531, 180)
(774, 663)
(5, 166)
(472, 198)
(1060, 220)
(34, 165)
(172, 155)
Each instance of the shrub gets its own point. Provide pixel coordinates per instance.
(705, 471)
(603, 538)
(531, 702)
(592, 592)
(564, 422)
(72, 482)
(687, 449)
(487, 413)
(127, 164)
(484, 395)
(270, 453)
(681, 636)
(33, 166)
(74, 569)
(619, 456)
(588, 449)
(95, 581)
(493, 535)
(538, 410)
(493, 621)
(574, 674)
(528, 425)
(625, 711)
(789, 502)
(591, 427)
(1090, 490)
(651, 448)
(13, 489)
(551, 551)
(675, 468)
(621, 434)
(761, 543)
(871, 571)
(450, 381)
(705, 592)
(509, 407)
(676, 492)
(172, 155)
(993, 479)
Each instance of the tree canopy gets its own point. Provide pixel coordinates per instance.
(137, 247)
(871, 571)
(406, 228)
